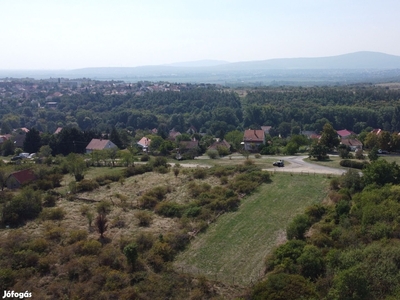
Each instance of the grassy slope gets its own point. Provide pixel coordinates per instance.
(235, 246)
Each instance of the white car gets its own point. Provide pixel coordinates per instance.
(24, 155)
(32, 155)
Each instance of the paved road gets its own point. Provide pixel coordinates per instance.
(298, 165)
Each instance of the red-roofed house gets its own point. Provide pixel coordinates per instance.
(252, 139)
(377, 131)
(144, 143)
(100, 144)
(354, 144)
(58, 130)
(19, 178)
(344, 133)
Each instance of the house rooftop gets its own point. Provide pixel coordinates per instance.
(24, 176)
(97, 144)
(253, 135)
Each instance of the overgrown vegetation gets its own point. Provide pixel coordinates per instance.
(347, 249)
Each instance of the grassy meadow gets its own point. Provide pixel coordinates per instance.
(233, 249)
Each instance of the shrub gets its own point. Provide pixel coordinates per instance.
(315, 212)
(161, 169)
(144, 217)
(116, 280)
(53, 232)
(353, 164)
(284, 286)
(117, 222)
(200, 173)
(52, 214)
(87, 185)
(298, 227)
(243, 186)
(224, 180)
(196, 189)
(144, 242)
(38, 245)
(25, 259)
(192, 211)
(103, 207)
(108, 178)
(138, 169)
(84, 209)
(49, 200)
(164, 250)
(43, 184)
(77, 235)
(27, 205)
(220, 171)
(145, 157)
(213, 154)
(7, 279)
(111, 257)
(131, 253)
(169, 209)
(90, 247)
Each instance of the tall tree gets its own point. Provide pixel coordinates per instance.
(329, 137)
(115, 138)
(32, 141)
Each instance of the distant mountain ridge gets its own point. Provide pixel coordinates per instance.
(357, 60)
(198, 63)
(364, 66)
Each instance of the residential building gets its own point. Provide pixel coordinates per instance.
(252, 139)
(100, 144)
(17, 179)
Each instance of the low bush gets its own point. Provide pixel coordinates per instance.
(53, 232)
(144, 218)
(220, 171)
(353, 164)
(77, 235)
(49, 200)
(138, 169)
(145, 157)
(107, 179)
(161, 169)
(103, 207)
(196, 189)
(148, 201)
(192, 211)
(87, 185)
(169, 209)
(212, 153)
(38, 245)
(144, 242)
(200, 173)
(57, 213)
(43, 185)
(89, 247)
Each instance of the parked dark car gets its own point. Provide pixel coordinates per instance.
(16, 158)
(380, 151)
(279, 163)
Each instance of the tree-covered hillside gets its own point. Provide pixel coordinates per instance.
(207, 108)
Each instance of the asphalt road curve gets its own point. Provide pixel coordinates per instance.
(296, 164)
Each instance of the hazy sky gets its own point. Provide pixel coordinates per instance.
(69, 34)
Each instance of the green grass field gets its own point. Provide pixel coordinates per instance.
(234, 248)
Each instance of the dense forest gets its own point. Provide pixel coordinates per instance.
(213, 110)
